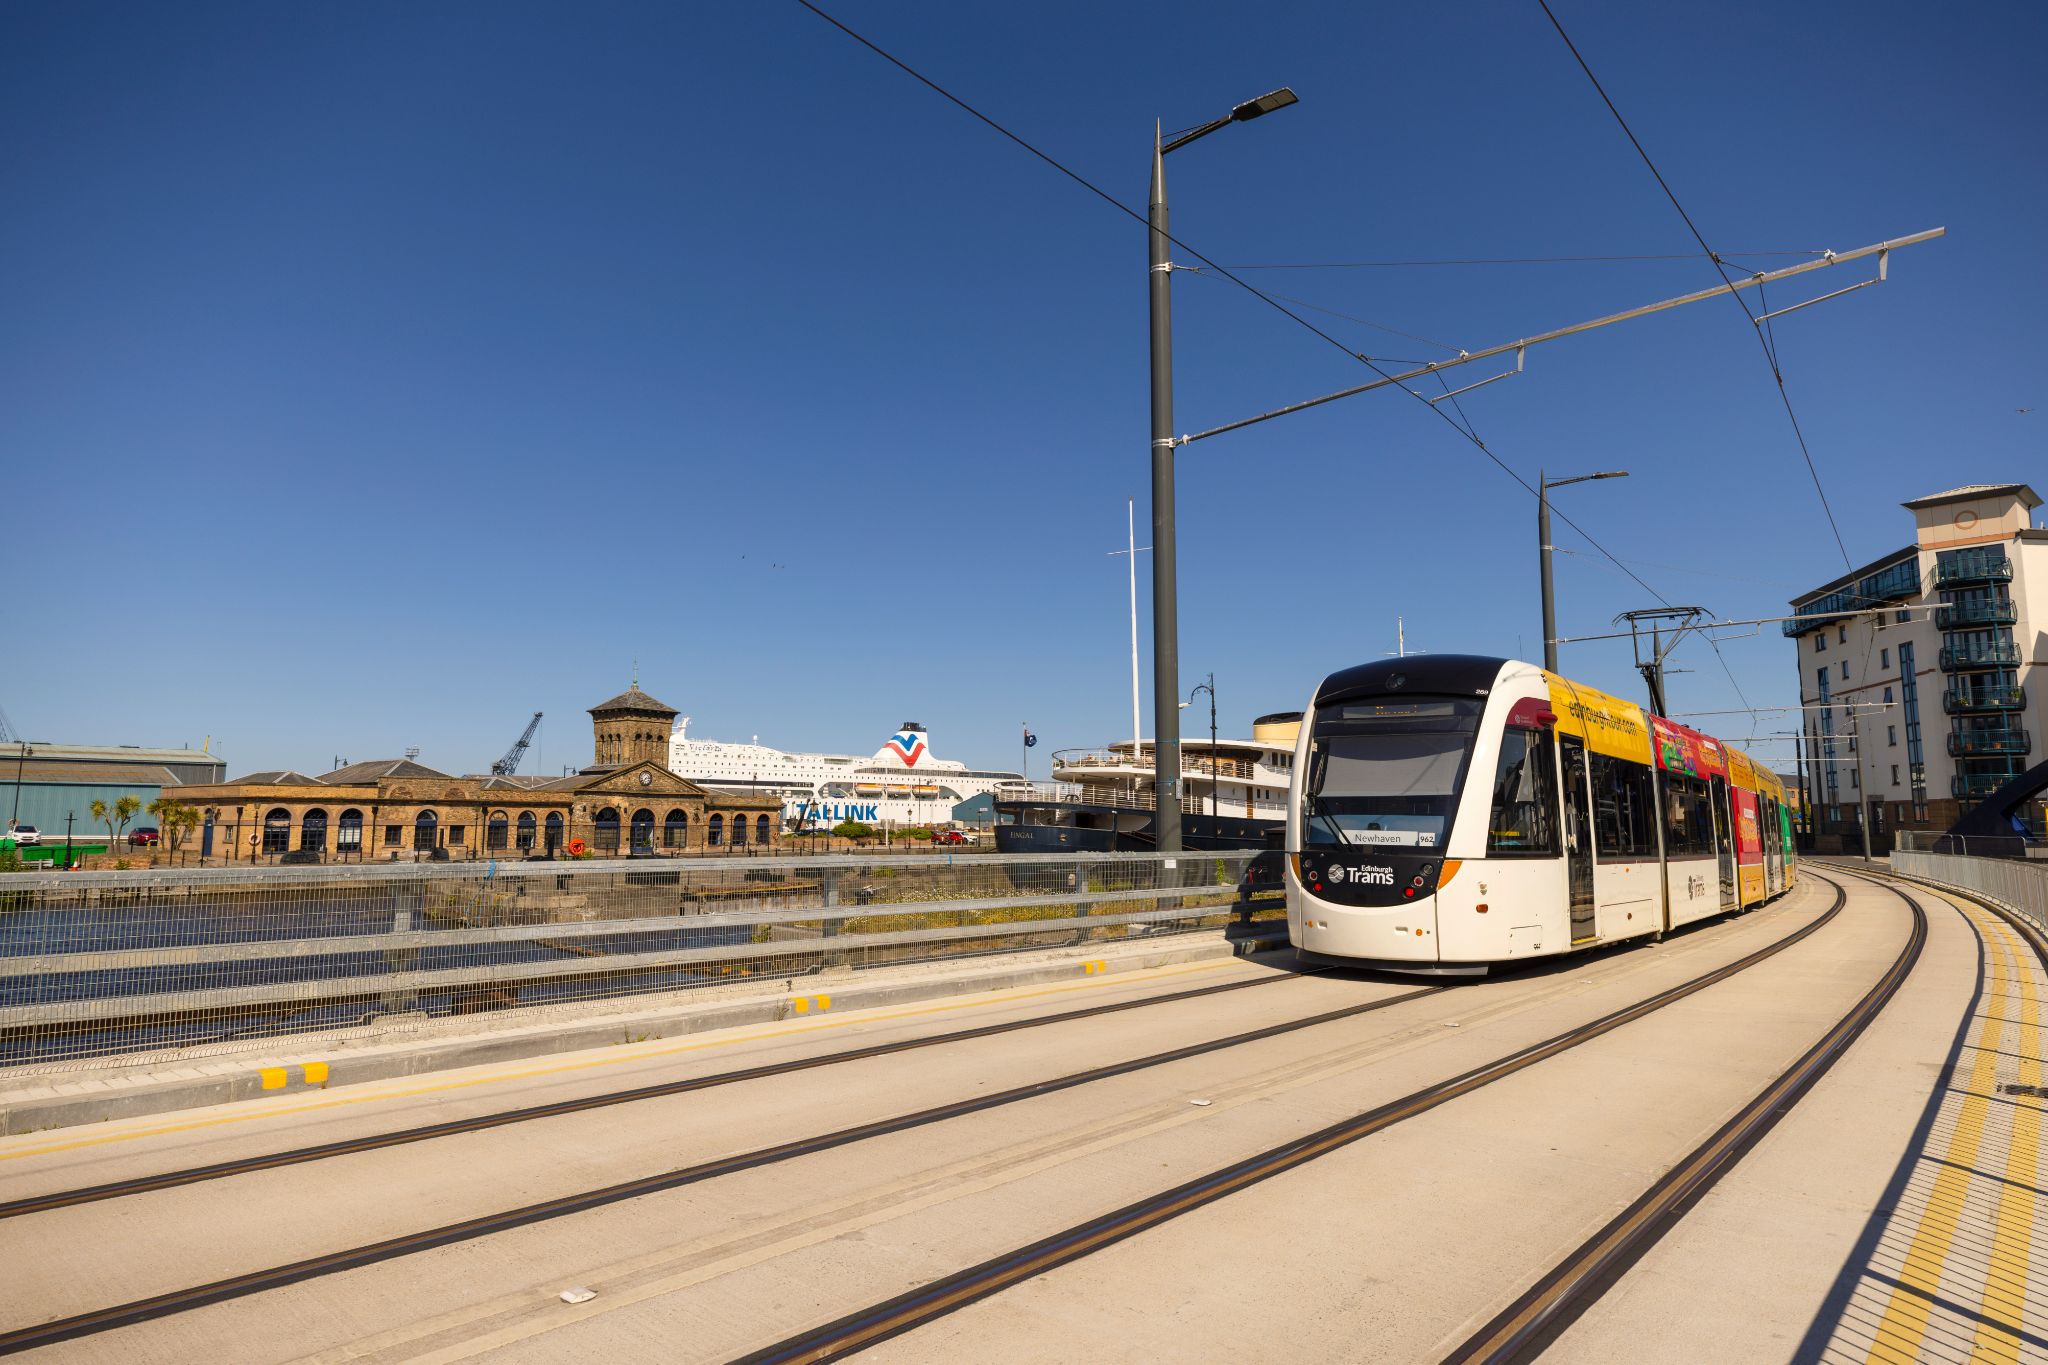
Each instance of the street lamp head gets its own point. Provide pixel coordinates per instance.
(1264, 104)
(1610, 474)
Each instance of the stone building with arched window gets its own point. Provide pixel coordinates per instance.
(626, 804)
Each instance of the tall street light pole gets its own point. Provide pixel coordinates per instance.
(1165, 585)
(1543, 487)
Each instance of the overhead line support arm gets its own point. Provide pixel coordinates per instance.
(1881, 250)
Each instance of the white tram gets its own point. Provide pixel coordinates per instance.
(1452, 811)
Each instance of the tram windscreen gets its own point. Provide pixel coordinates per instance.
(1387, 772)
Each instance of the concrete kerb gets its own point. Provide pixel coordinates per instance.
(318, 1062)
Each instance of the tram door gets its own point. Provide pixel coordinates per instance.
(1724, 842)
(1578, 837)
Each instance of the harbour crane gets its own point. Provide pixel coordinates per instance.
(509, 764)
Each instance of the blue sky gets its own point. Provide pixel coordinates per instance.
(374, 376)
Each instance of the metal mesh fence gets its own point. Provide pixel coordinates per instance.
(99, 967)
(2021, 887)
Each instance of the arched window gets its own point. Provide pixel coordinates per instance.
(714, 832)
(348, 835)
(554, 830)
(739, 830)
(643, 831)
(761, 830)
(525, 830)
(496, 829)
(675, 831)
(313, 830)
(425, 829)
(607, 831)
(277, 831)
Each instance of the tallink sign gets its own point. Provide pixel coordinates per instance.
(830, 812)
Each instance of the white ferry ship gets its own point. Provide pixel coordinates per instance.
(901, 783)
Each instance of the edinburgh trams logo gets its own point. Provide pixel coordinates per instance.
(1363, 876)
(909, 746)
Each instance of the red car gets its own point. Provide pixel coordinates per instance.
(144, 836)
(952, 836)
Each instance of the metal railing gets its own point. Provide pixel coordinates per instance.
(98, 967)
(1972, 742)
(1967, 701)
(1976, 786)
(1955, 615)
(1972, 567)
(1979, 656)
(2021, 887)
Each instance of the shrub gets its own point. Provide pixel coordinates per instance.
(853, 829)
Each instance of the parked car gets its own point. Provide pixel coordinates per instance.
(143, 837)
(25, 836)
(298, 857)
(955, 836)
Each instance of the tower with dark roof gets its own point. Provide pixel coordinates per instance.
(631, 728)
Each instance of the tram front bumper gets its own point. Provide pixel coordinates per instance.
(1402, 934)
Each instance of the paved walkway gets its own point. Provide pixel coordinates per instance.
(1949, 1270)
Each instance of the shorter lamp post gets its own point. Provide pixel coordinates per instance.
(1543, 487)
(1210, 688)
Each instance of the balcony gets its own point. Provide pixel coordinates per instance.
(1963, 702)
(1956, 658)
(1961, 615)
(1977, 786)
(1985, 743)
(1972, 566)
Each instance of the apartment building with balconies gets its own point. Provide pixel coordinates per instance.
(1919, 674)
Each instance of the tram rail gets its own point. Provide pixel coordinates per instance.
(869, 1326)
(1095, 1235)
(1522, 1330)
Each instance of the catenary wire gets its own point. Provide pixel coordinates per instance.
(1770, 355)
(1274, 303)
(1503, 260)
(1221, 271)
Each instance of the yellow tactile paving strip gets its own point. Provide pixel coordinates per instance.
(1954, 1274)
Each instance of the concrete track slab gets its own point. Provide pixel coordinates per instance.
(709, 1270)
(1896, 1215)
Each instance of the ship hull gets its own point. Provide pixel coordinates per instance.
(1077, 827)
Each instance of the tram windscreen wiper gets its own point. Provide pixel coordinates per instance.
(1319, 767)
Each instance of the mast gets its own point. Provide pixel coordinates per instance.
(1131, 530)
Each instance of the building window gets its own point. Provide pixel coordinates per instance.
(1884, 657)
(525, 830)
(391, 836)
(643, 831)
(1841, 635)
(497, 832)
(1845, 670)
(1904, 617)
(607, 831)
(1856, 779)
(761, 829)
(1887, 696)
(675, 830)
(1895, 774)
(739, 830)
(456, 834)
(277, 831)
(1820, 642)
(348, 835)
(1891, 736)
(714, 831)
(424, 829)
(313, 830)
(554, 830)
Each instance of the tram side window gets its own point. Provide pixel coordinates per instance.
(1524, 819)
(1624, 809)
(1688, 830)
